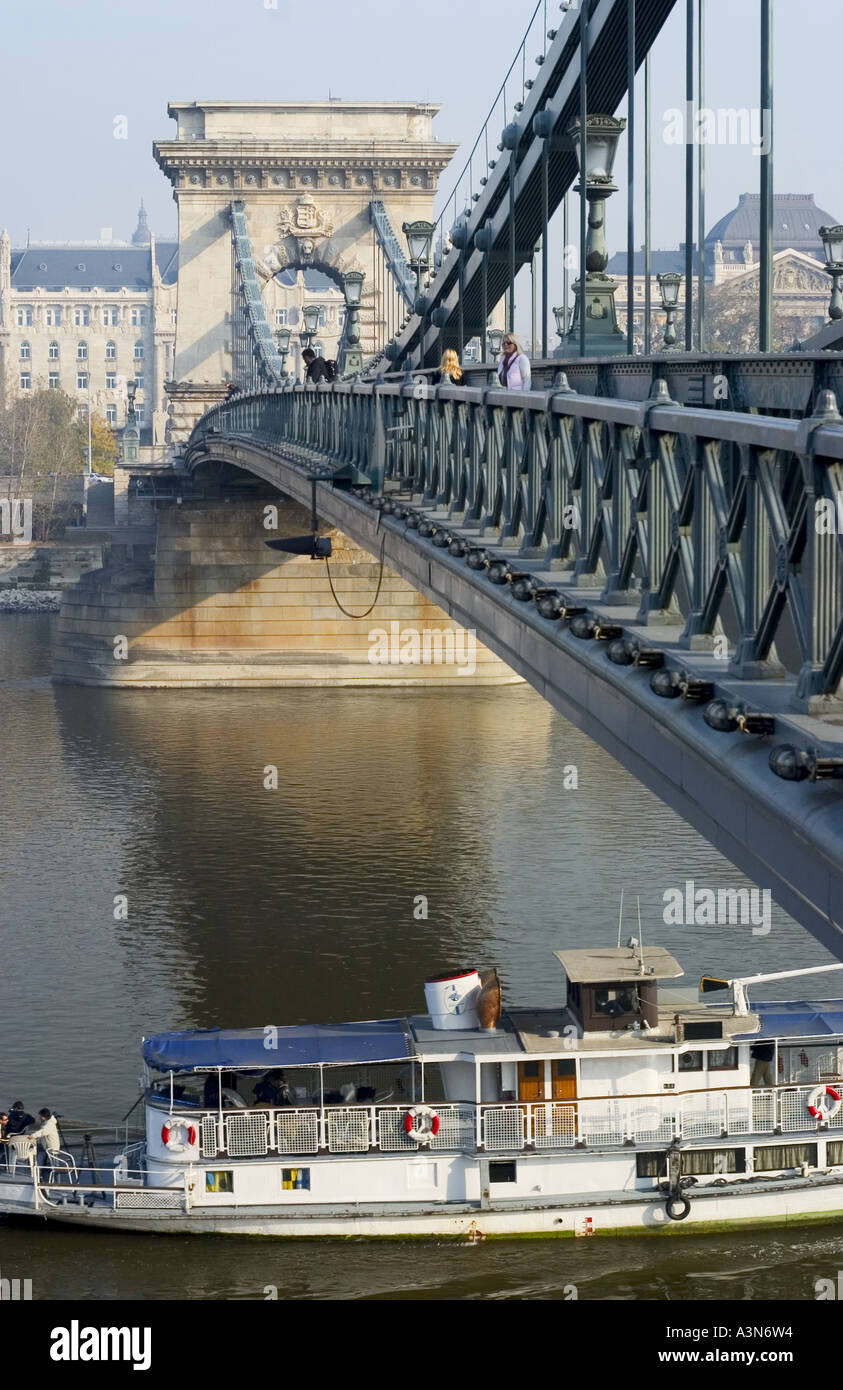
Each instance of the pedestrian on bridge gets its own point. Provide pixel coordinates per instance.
(513, 366)
(450, 371)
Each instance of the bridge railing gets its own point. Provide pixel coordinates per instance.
(724, 524)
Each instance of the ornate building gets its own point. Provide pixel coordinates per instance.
(801, 287)
(88, 317)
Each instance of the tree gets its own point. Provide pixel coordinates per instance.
(104, 451)
(40, 452)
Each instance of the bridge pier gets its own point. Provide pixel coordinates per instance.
(217, 608)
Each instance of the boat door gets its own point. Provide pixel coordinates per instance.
(563, 1079)
(531, 1080)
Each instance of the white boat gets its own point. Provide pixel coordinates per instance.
(616, 1111)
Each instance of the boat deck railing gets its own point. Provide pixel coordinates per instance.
(508, 1126)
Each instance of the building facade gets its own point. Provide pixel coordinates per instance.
(801, 287)
(88, 318)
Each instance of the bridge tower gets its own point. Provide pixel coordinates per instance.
(308, 173)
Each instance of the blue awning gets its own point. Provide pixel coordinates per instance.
(384, 1040)
(791, 1018)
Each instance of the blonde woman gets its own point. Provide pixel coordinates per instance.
(450, 371)
(513, 365)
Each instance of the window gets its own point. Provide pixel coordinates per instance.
(111, 414)
(24, 316)
(503, 1171)
(139, 382)
(139, 351)
(53, 352)
(322, 318)
(319, 349)
(690, 1061)
(111, 315)
(725, 1059)
(219, 1180)
(53, 316)
(138, 316)
(295, 1178)
(696, 1161)
(111, 352)
(25, 352)
(82, 352)
(81, 316)
(53, 381)
(140, 411)
(111, 381)
(280, 318)
(81, 381)
(25, 381)
(616, 1001)
(769, 1157)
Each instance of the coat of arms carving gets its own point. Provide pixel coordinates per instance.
(305, 220)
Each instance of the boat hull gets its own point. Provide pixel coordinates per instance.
(755, 1205)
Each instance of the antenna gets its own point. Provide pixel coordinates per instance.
(640, 939)
(620, 921)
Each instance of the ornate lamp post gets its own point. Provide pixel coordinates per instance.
(561, 316)
(352, 356)
(282, 338)
(130, 438)
(833, 247)
(601, 328)
(419, 236)
(669, 283)
(310, 315)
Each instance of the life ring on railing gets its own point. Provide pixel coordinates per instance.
(421, 1134)
(817, 1096)
(178, 1135)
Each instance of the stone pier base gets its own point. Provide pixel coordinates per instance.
(220, 609)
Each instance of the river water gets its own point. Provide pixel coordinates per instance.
(247, 905)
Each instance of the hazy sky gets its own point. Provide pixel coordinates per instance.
(70, 69)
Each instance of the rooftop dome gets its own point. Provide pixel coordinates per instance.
(796, 223)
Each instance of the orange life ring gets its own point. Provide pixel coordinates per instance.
(177, 1144)
(421, 1134)
(815, 1106)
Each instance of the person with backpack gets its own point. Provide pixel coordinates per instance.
(317, 369)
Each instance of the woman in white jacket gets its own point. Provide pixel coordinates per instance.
(513, 366)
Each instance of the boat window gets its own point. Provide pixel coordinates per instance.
(617, 1000)
(694, 1161)
(834, 1152)
(723, 1059)
(690, 1061)
(219, 1180)
(769, 1157)
(295, 1178)
(503, 1171)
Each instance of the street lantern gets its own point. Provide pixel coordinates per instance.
(283, 337)
(495, 338)
(352, 283)
(601, 146)
(669, 282)
(833, 247)
(419, 236)
(310, 314)
(561, 316)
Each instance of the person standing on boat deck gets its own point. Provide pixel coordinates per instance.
(762, 1055)
(272, 1089)
(18, 1119)
(513, 366)
(47, 1136)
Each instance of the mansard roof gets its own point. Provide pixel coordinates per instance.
(77, 267)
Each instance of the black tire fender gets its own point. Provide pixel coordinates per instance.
(677, 1206)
